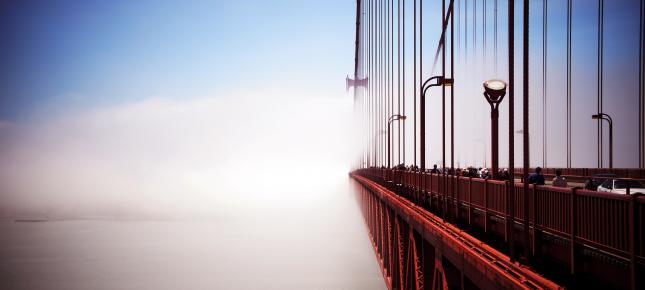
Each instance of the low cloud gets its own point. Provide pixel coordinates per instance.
(210, 156)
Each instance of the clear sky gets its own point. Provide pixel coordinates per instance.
(86, 53)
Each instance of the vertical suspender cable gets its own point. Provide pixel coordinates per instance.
(379, 108)
(544, 79)
(386, 75)
(403, 85)
(422, 105)
(459, 25)
(525, 103)
(466, 29)
(379, 93)
(382, 82)
(443, 103)
(388, 84)
(398, 74)
(495, 33)
(364, 89)
(452, 101)
(484, 31)
(511, 125)
(569, 44)
(388, 96)
(641, 99)
(368, 77)
(600, 77)
(392, 59)
(369, 83)
(372, 83)
(386, 72)
(641, 93)
(377, 82)
(388, 65)
(443, 88)
(414, 79)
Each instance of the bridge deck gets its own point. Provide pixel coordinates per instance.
(485, 267)
(579, 238)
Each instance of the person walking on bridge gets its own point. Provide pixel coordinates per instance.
(537, 178)
(558, 180)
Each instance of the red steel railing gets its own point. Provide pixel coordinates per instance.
(613, 223)
(581, 174)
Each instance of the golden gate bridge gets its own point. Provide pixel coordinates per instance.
(448, 227)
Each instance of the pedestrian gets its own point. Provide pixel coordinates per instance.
(590, 185)
(537, 178)
(558, 180)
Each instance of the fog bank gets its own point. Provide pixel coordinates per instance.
(212, 156)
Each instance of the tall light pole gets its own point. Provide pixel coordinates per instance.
(389, 122)
(603, 116)
(431, 82)
(494, 92)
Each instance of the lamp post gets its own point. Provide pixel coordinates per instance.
(389, 122)
(438, 81)
(494, 92)
(603, 116)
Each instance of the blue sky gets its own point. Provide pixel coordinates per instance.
(86, 53)
(62, 56)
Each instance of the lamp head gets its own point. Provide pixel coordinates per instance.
(596, 116)
(447, 82)
(402, 117)
(494, 90)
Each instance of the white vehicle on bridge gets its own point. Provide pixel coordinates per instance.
(620, 186)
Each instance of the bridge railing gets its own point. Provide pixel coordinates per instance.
(610, 222)
(581, 174)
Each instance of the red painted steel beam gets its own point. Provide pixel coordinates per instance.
(491, 264)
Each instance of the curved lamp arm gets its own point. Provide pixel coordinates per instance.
(602, 116)
(441, 81)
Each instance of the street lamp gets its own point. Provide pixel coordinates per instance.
(431, 82)
(389, 122)
(603, 116)
(494, 92)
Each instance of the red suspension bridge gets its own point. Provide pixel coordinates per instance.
(464, 228)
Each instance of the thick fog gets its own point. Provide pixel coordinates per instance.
(207, 157)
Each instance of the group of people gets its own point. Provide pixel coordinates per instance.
(538, 179)
(503, 174)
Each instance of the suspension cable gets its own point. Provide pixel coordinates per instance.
(495, 33)
(569, 44)
(641, 92)
(544, 80)
(423, 149)
(392, 59)
(600, 76)
(414, 79)
(484, 31)
(398, 67)
(403, 85)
